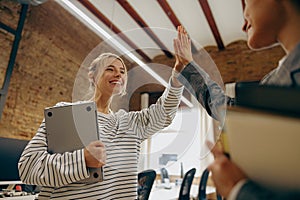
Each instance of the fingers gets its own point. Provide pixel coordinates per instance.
(179, 31)
(97, 143)
(182, 47)
(183, 36)
(179, 46)
(176, 49)
(102, 156)
(95, 154)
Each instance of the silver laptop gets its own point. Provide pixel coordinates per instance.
(73, 127)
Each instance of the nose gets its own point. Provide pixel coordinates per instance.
(117, 73)
(244, 28)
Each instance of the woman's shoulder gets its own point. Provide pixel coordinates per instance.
(121, 113)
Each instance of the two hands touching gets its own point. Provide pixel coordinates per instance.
(183, 52)
(182, 48)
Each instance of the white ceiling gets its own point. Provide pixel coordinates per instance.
(228, 17)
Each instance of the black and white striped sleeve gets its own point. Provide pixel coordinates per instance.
(158, 116)
(38, 167)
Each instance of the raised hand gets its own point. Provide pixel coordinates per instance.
(182, 48)
(95, 154)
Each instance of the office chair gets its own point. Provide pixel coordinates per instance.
(184, 193)
(164, 174)
(202, 186)
(145, 182)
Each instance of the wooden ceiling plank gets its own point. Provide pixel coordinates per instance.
(173, 18)
(212, 24)
(138, 19)
(113, 27)
(170, 13)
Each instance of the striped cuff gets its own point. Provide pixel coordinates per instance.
(175, 73)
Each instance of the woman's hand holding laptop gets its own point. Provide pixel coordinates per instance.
(95, 154)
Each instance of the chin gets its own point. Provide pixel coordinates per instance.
(117, 92)
(261, 45)
(258, 39)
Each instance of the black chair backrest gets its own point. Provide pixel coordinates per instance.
(202, 186)
(164, 174)
(10, 152)
(184, 193)
(145, 182)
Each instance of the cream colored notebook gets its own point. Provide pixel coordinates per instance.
(266, 146)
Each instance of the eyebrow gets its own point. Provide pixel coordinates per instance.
(122, 68)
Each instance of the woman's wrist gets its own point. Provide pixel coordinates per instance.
(174, 78)
(175, 73)
(181, 66)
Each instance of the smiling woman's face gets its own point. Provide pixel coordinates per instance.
(264, 22)
(113, 78)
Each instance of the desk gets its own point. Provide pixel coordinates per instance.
(11, 185)
(158, 193)
(27, 197)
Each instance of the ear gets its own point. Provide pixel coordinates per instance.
(91, 76)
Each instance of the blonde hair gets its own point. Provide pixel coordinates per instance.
(97, 68)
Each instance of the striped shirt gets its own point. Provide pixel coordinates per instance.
(121, 132)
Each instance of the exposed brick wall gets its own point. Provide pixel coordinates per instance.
(237, 62)
(52, 48)
(54, 45)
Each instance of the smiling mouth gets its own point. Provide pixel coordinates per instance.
(116, 82)
(246, 26)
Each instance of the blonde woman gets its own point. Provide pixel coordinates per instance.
(121, 134)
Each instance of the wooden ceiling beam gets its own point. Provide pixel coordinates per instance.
(138, 19)
(113, 27)
(173, 18)
(212, 24)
